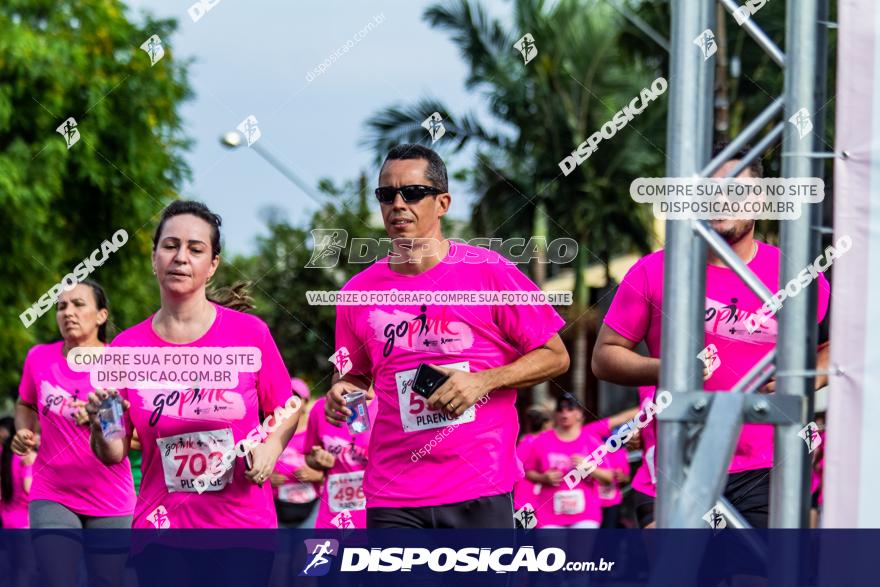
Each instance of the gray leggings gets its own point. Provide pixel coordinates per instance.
(45, 514)
(59, 546)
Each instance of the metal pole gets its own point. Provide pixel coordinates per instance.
(797, 318)
(745, 135)
(758, 35)
(690, 107)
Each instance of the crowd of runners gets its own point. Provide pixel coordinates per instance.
(58, 469)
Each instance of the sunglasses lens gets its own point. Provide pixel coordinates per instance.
(410, 193)
(413, 193)
(385, 195)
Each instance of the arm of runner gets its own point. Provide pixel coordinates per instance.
(109, 452)
(308, 475)
(319, 459)
(25, 440)
(603, 475)
(462, 390)
(265, 454)
(615, 360)
(552, 477)
(622, 417)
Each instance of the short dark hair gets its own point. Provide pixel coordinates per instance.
(197, 209)
(756, 166)
(436, 172)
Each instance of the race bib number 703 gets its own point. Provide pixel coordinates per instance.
(187, 456)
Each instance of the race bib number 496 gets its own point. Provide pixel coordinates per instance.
(186, 456)
(345, 491)
(415, 414)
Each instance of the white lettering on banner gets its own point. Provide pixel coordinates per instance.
(415, 415)
(468, 559)
(186, 457)
(345, 491)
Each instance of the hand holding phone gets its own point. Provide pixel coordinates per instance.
(427, 380)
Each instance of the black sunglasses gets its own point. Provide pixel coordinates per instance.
(411, 193)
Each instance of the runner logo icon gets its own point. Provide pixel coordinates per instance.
(320, 553)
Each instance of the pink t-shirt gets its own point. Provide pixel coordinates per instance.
(66, 471)
(183, 432)
(559, 505)
(343, 489)
(636, 314)
(524, 490)
(645, 479)
(291, 459)
(610, 493)
(475, 455)
(14, 514)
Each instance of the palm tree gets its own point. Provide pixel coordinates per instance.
(542, 110)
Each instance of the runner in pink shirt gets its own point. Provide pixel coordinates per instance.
(635, 315)
(187, 433)
(295, 485)
(343, 458)
(16, 479)
(463, 436)
(538, 420)
(610, 494)
(71, 487)
(557, 451)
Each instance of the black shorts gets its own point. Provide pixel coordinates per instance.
(493, 511)
(748, 492)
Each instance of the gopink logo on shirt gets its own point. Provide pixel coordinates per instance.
(727, 321)
(419, 332)
(193, 404)
(57, 401)
(346, 450)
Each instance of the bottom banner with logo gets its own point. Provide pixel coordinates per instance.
(437, 557)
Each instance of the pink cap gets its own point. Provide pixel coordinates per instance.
(300, 388)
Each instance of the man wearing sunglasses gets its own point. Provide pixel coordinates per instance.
(446, 459)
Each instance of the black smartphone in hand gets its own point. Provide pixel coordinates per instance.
(427, 380)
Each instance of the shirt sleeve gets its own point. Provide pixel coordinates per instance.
(347, 337)
(273, 381)
(526, 326)
(27, 387)
(630, 311)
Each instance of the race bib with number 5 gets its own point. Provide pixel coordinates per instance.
(186, 456)
(415, 414)
(345, 491)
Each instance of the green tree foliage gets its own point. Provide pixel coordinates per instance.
(82, 59)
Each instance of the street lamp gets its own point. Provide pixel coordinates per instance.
(234, 139)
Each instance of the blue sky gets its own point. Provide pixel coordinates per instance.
(253, 58)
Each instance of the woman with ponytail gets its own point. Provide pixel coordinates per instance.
(186, 432)
(71, 488)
